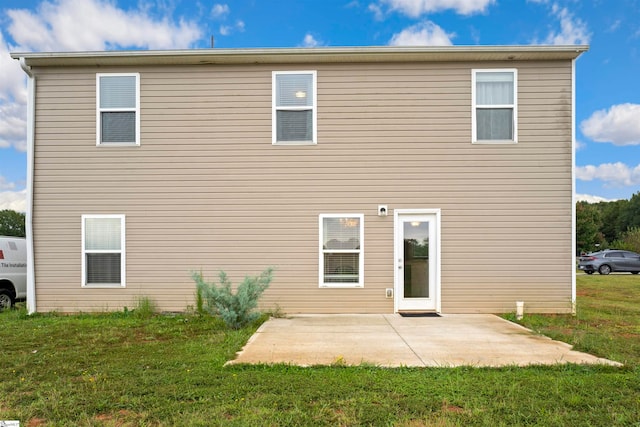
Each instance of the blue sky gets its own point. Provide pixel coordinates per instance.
(607, 77)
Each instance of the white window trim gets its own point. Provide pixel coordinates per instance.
(275, 108)
(514, 106)
(322, 251)
(100, 110)
(122, 252)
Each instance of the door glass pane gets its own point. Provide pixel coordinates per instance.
(416, 259)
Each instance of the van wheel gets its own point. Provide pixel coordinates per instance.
(6, 299)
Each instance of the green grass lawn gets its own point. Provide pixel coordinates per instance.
(125, 370)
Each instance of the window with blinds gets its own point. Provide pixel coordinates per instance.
(495, 105)
(341, 250)
(103, 243)
(294, 107)
(118, 109)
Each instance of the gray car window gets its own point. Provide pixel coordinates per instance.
(613, 255)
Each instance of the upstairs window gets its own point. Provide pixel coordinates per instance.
(103, 250)
(341, 256)
(118, 109)
(495, 112)
(294, 107)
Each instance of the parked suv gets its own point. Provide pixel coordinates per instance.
(13, 271)
(610, 260)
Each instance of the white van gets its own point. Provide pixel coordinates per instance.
(13, 270)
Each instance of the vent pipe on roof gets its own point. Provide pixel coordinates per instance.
(212, 42)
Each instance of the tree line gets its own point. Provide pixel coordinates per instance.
(608, 225)
(12, 223)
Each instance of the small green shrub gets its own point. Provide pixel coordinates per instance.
(145, 308)
(199, 300)
(277, 312)
(235, 309)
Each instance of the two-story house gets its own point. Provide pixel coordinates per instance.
(375, 179)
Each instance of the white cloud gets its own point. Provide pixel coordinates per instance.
(310, 41)
(580, 145)
(378, 15)
(6, 185)
(12, 85)
(71, 25)
(220, 10)
(226, 30)
(573, 30)
(415, 8)
(15, 200)
(620, 125)
(423, 34)
(13, 101)
(13, 125)
(612, 174)
(10, 197)
(616, 24)
(592, 199)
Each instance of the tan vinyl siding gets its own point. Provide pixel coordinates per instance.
(207, 190)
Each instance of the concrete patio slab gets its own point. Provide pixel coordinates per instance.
(390, 340)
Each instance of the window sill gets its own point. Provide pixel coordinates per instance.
(294, 143)
(104, 285)
(496, 142)
(341, 285)
(118, 144)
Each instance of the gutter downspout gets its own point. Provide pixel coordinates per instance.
(31, 103)
(573, 188)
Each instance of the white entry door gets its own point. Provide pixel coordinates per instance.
(417, 247)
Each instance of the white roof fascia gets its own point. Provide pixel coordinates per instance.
(302, 55)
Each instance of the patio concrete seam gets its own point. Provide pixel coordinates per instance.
(404, 340)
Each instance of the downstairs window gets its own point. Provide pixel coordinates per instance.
(103, 250)
(341, 250)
